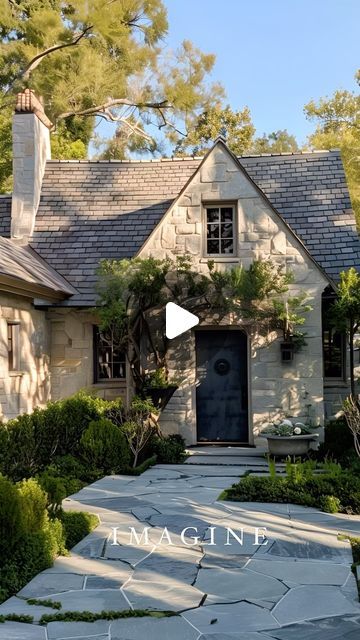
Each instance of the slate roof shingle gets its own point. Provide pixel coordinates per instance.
(92, 210)
(22, 266)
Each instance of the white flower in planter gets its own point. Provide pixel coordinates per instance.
(288, 423)
(297, 431)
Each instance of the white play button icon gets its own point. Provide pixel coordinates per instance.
(178, 320)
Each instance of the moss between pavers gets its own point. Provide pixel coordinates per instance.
(14, 617)
(88, 616)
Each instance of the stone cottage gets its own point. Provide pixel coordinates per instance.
(65, 216)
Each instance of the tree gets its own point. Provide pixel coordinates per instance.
(91, 60)
(235, 126)
(346, 312)
(338, 126)
(277, 142)
(132, 295)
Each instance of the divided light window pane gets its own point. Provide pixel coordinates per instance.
(220, 230)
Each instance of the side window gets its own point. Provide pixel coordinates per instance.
(13, 346)
(334, 344)
(109, 362)
(220, 230)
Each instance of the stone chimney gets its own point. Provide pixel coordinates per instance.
(31, 149)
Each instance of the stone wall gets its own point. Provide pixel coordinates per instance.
(72, 364)
(275, 388)
(29, 386)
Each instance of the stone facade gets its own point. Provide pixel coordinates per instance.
(275, 388)
(29, 385)
(72, 356)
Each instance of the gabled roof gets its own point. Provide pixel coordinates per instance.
(92, 210)
(23, 272)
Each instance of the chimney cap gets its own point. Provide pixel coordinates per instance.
(27, 102)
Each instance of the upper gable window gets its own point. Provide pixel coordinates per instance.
(220, 230)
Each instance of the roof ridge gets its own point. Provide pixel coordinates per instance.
(188, 158)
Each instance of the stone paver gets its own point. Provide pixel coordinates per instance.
(296, 586)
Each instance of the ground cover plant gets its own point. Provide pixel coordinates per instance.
(324, 485)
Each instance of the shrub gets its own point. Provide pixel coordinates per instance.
(170, 449)
(20, 458)
(311, 492)
(77, 525)
(104, 446)
(330, 504)
(140, 426)
(11, 522)
(33, 500)
(55, 490)
(338, 442)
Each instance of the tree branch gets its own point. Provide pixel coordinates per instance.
(37, 59)
(103, 109)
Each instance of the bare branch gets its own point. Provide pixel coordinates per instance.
(115, 102)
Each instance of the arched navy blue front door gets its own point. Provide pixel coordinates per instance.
(222, 387)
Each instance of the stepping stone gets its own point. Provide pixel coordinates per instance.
(224, 562)
(175, 628)
(339, 628)
(234, 585)
(21, 607)
(45, 584)
(158, 568)
(170, 595)
(302, 572)
(78, 630)
(107, 581)
(304, 603)
(311, 550)
(248, 635)
(96, 600)
(127, 553)
(87, 566)
(177, 524)
(21, 631)
(229, 618)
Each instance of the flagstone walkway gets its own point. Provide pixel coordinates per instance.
(299, 585)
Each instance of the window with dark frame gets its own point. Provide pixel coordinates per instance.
(109, 361)
(13, 346)
(334, 343)
(220, 230)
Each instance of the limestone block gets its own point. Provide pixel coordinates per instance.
(185, 201)
(168, 236)
(251, 236)
(214, 173)
(185, 229)
(278, 243)
(193, 244)
(196, 198)
(180, 241)
(194, 214)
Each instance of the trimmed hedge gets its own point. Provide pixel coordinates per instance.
(169, 449)
(30, 442)
(344, 491)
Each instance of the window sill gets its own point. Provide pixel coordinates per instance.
(110, 382)
(16, 374)
(219, 259)
(328, 383)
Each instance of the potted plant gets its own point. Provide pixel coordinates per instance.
(289, 437)
(159, 388)
(288, 316)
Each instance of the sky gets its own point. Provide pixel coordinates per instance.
(274, 55)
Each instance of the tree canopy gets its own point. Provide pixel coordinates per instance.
(276, 142)
(338, 126)
(93, 59)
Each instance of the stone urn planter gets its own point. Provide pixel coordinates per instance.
(290, 445)
(160, 396)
